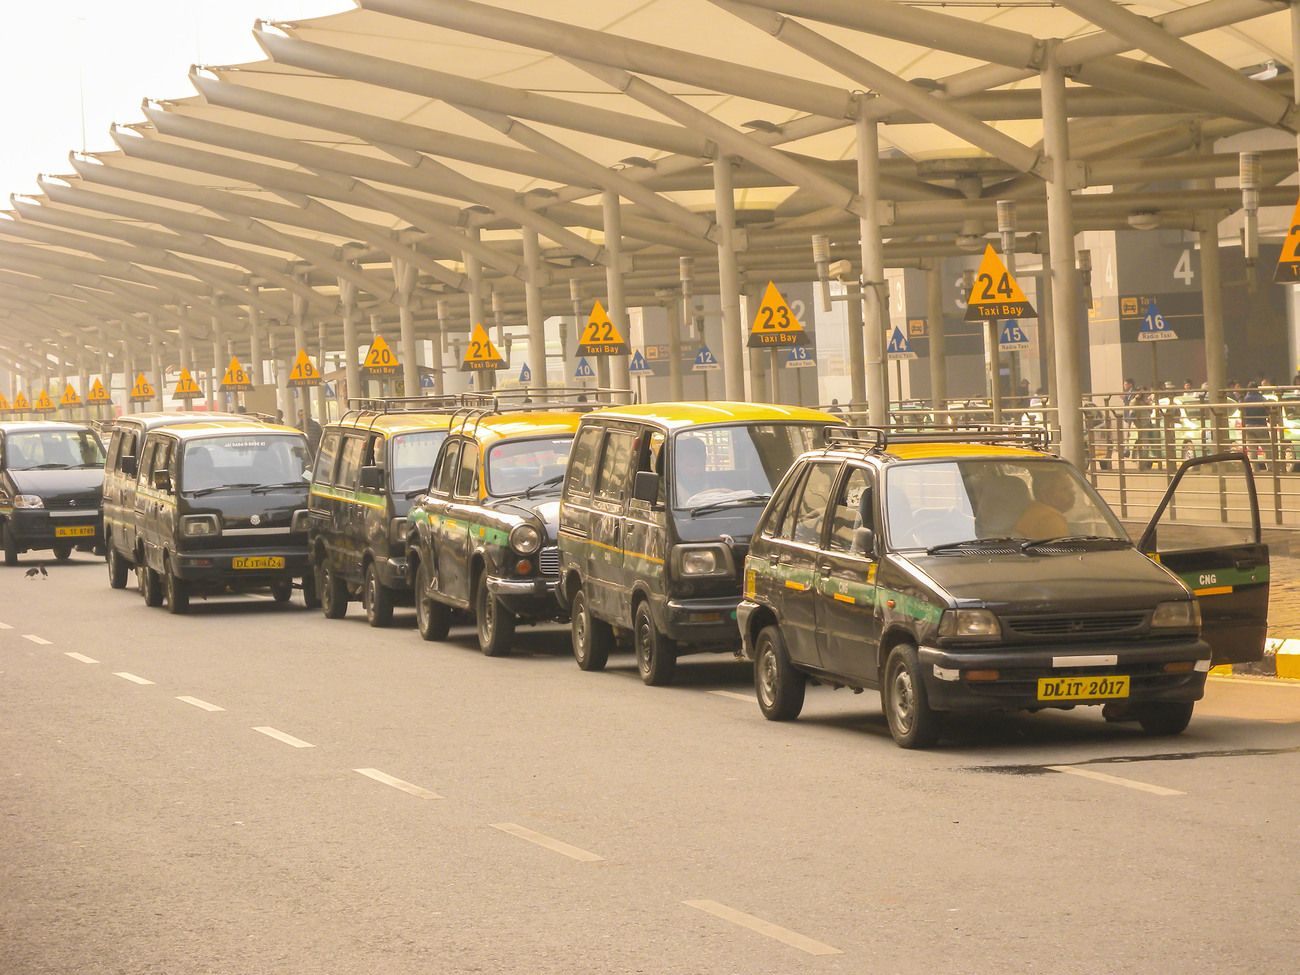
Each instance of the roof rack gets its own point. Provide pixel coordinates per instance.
(476, 407)
(880, 438)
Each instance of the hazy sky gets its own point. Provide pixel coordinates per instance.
(116, 52)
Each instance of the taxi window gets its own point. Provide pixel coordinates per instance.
(411, 459)
(146, 467)
(516, 466)
(809, 512)
(467, 475)
(114, 449)
(777, 510)
(853, 509)
(615, 466)
(730, 462)
(327, 457)
(582, 462)
(350, 464)
(444, 478)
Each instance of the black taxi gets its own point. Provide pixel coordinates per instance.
(975, 571)
(369, 467)
(222, 507)
(51, 481)
(482, 538)
(659, 502)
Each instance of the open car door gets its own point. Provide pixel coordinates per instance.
(1206, 531)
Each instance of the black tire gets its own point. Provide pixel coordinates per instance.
(62, 552)
(10, 545)
(911, 720)
(592, 638)
(656, 654)
(376, 598)
(117, 568)
(151, 585)
(779, 687)
(332, 592)
(282, 592)
(178, 590)
(432, 618)
(310, 594)
(1164, 718)
(495, 623)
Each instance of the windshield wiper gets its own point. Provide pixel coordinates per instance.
(747, 501)
(549, 482)
(46, 467)
(1072, 539)
(263, 488)
(219, 487)
(971, 542)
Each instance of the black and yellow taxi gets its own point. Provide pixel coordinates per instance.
(658, 506)
(482, 538)
(51, 481)
(369, 467)
(222, 507)
(975, 571)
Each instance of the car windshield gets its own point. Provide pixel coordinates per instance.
(412, 458)
(52, 450)
(515, 466)
(939, 503)
(716, 467)
(243, 460)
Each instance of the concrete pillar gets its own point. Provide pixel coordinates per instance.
(938, 334)
(675, 390)
(299, 342)
(857, 348)
(322, 340)
(536, 315)
(875, 288)
(404, 277)
(733, 328)
(351, 365)
(613, 369)
(485, 379)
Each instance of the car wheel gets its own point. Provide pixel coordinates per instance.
(62, 552)
(282, 592)
(656, 654)
(178, 590)
(10, 545)
(117, 568)
(310, 594)
(780, 688)
(332, 591)
(592, 638)
(1164, 718)
(496, 624)
(151, 585)
(431, 617)
(376, 598)
(911, 720)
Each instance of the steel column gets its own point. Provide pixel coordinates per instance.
(874, 287)
(536, 314)
(938, 334)
(617, 365)
(733, 341)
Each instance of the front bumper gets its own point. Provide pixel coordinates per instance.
(704, 623)
(744, 610)
(533, 598)
(392, 574)
(1020, 670)
(37, 528)
(217, 567)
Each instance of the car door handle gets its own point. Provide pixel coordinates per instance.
(1245, 564)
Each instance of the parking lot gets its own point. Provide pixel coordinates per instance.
(253, 788)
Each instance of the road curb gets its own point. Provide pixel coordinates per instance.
(1281, 659)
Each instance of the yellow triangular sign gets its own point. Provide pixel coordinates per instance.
(21, 402)
(98, 394)
(1288, 262)
(601, 336)
(379, 360)
(43, 403)
(481, 354)
(69, 397)
(4, 404)
(236, 378)
(995, 293)
(304, 371)
(142, 389)
(186, 387)
(775, 323)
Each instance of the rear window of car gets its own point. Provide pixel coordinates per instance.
(582, 462)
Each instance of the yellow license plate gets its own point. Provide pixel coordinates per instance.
(75, 531)
(1082, 688)
(258, 562)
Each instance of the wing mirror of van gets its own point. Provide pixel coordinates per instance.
(162, 480)
(129, 466)
(372, 478)
(864, 541)
(645, 487)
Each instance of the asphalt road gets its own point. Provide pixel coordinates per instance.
(255, 789)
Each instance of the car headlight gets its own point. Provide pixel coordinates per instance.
(1183, 615)
(299, 522)
(525, 539)
(28, 501)
(702, 560)
(969, 623)
(200, 526)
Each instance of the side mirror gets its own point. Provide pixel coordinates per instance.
(162, 480)
(645, 487)
(306, 474)
(864, 541)
(129, 466)
(372, 478)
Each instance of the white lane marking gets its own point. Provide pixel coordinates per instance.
(204, 705)
(1256, 681)
(132, 678)
(735, 696)
(396, 783)
(766, 928)
(38, 640)
(82, 657)
(542, 840)
(5, 626)
(287, 739)
(1155, 790)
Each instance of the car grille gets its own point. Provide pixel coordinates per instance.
(548, 561)
(78, 501)
(1076, 626)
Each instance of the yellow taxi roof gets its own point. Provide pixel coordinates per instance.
(189, 431)
(676, 415)
(954, 451)
(508, 426)
(392, 424)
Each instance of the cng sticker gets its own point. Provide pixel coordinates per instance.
(775, 323)
(142, 389)
(98, 394)
(995, 293)
(601, 336)
(236, 378)
(1288, 262)
(69, 397)
(481, 354)
(304, 371)
(379, 360)
(186, 387)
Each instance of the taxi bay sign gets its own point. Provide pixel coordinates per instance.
(775, 324)
(601, 336)
(481, 354)
(995, 293)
